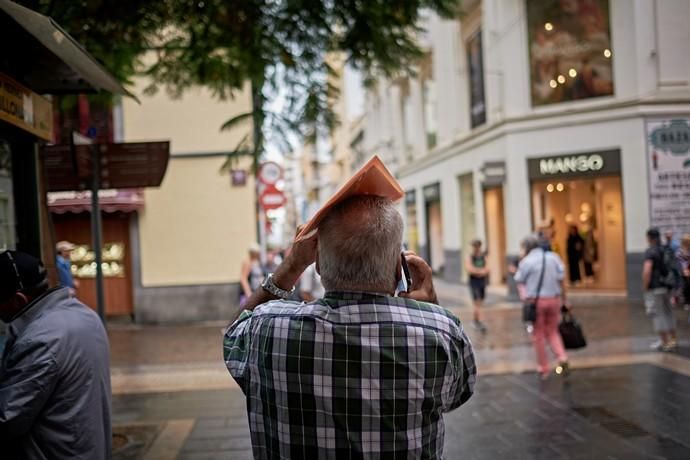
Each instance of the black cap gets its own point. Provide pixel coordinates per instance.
(18, 272)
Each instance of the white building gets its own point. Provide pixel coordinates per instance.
(572, 113)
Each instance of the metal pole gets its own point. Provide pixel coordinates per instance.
(262, 234)
(96, 228)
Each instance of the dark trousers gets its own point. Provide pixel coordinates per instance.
(574, 269)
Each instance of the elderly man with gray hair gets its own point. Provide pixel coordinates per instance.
(360, 373)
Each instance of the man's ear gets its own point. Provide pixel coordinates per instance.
(398, 272)
(21, 299)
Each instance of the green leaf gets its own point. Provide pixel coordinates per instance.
(236, 120)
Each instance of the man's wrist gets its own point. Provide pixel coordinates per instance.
(287, 274)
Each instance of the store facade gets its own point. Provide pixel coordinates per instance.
(572, 126)
(71, 217)
(579, 198)
(42, 60)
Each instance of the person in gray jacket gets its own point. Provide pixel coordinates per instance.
(55, 371)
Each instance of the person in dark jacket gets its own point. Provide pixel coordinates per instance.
(55, 371)
(575, 249)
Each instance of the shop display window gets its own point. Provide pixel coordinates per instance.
(570, 50)
(84, 265)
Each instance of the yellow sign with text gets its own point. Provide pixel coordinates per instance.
(25, 109)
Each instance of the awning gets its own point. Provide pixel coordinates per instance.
(123, 165)
(111, 200)
(39, 53)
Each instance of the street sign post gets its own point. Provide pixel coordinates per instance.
(270, 173)
(272, 198)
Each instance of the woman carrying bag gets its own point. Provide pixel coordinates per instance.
(542, 272)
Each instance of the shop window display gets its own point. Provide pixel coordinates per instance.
(584, 221)
(84, 266)
(570, 50)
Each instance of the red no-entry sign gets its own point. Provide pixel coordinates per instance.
(272, 198)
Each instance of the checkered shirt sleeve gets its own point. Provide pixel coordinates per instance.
(352, 375)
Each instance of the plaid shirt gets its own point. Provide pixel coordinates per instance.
(353, 375)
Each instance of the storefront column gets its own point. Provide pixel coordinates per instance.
(421, 225)
(518, 203)
(451, 229)
(635, 184)
(480, 212)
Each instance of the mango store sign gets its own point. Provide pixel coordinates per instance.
(571, 164)
(585, 164)
(668, 160)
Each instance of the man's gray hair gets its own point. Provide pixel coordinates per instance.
(359, 245)
(530, 242)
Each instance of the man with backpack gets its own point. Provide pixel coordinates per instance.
(659, 279)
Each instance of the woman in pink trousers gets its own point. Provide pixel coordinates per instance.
(541, 272)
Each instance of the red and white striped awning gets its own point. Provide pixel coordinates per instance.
(112, 200)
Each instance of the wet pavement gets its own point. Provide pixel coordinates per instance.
(173, 397)
(618, 412)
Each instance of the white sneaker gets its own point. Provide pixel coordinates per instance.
(657, 345)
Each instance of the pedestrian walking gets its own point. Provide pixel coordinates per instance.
(683, 256)
(359, 373)
(476, 267)
(575, 246)
(55, 372)
(658, 280)
(542, 272)
(64, 266)
(251, 273)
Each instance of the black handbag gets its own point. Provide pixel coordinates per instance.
(571, 332)
(529, 308)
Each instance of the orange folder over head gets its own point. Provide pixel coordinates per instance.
(372, 179)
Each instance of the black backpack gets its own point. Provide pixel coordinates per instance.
(670, 274)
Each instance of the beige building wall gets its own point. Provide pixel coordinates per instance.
(195, 228)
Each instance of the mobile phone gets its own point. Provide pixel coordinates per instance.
(406, 280)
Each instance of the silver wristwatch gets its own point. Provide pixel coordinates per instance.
(269, 286)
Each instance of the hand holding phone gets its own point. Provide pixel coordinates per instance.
(421, 286)
(405, 280)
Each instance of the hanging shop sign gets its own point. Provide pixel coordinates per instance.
(668, 160)
(432, 192)
(123, 165)
(575, 165)
(494, 173)
(238, 177)
(25, 109)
